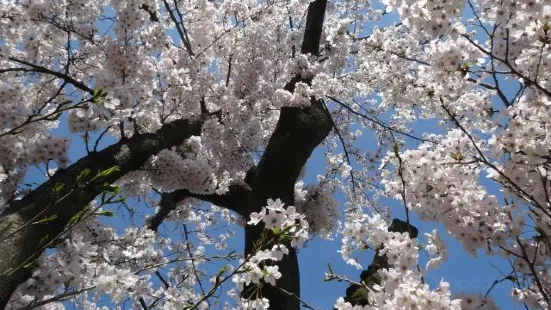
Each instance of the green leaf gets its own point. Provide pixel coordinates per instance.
(120, 200)
(232, 254)
(256, 244)
(58, 187)
(222, 270)
(110, 188)
(107, 172)
(78, 216)
(329, 267)
(7, 226)
(359, 294)
(46, 219)
(97, 95)
(107, 213)
(7, 271)
(285, 238)
(84, 173)
(371, 280)
(32, 264)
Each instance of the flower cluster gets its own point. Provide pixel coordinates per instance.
(96, 259)
(429, 18)
(401, 286)
(292, 223)
(192, 172)
(285, 224)
(255, 269)
(51, 148)
(176, 172)
(405, 291)
(437, 249)
(400, 250)
(357, 232)
(477, 301)
(443, 185)
(80, 121)
(318, 206)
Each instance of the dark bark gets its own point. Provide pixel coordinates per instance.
(22, 241)
(238, 199)
(314, 27)
(297, 134)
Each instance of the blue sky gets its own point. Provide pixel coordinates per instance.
(464, 272)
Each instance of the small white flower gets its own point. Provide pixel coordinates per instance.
(273, 219)
(257, 217)
(271, 274)
(276, 205)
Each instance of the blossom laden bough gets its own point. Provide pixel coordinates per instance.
(216, 106)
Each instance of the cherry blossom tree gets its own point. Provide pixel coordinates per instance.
(215, 108)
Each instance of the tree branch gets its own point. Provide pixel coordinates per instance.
(60, 75)
(20, 221)
(297, 134)
(236, 199)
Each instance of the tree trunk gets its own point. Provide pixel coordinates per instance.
(297, 134)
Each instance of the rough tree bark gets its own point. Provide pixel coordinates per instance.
(298, 132)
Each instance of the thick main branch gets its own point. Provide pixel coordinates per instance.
(24, 238)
